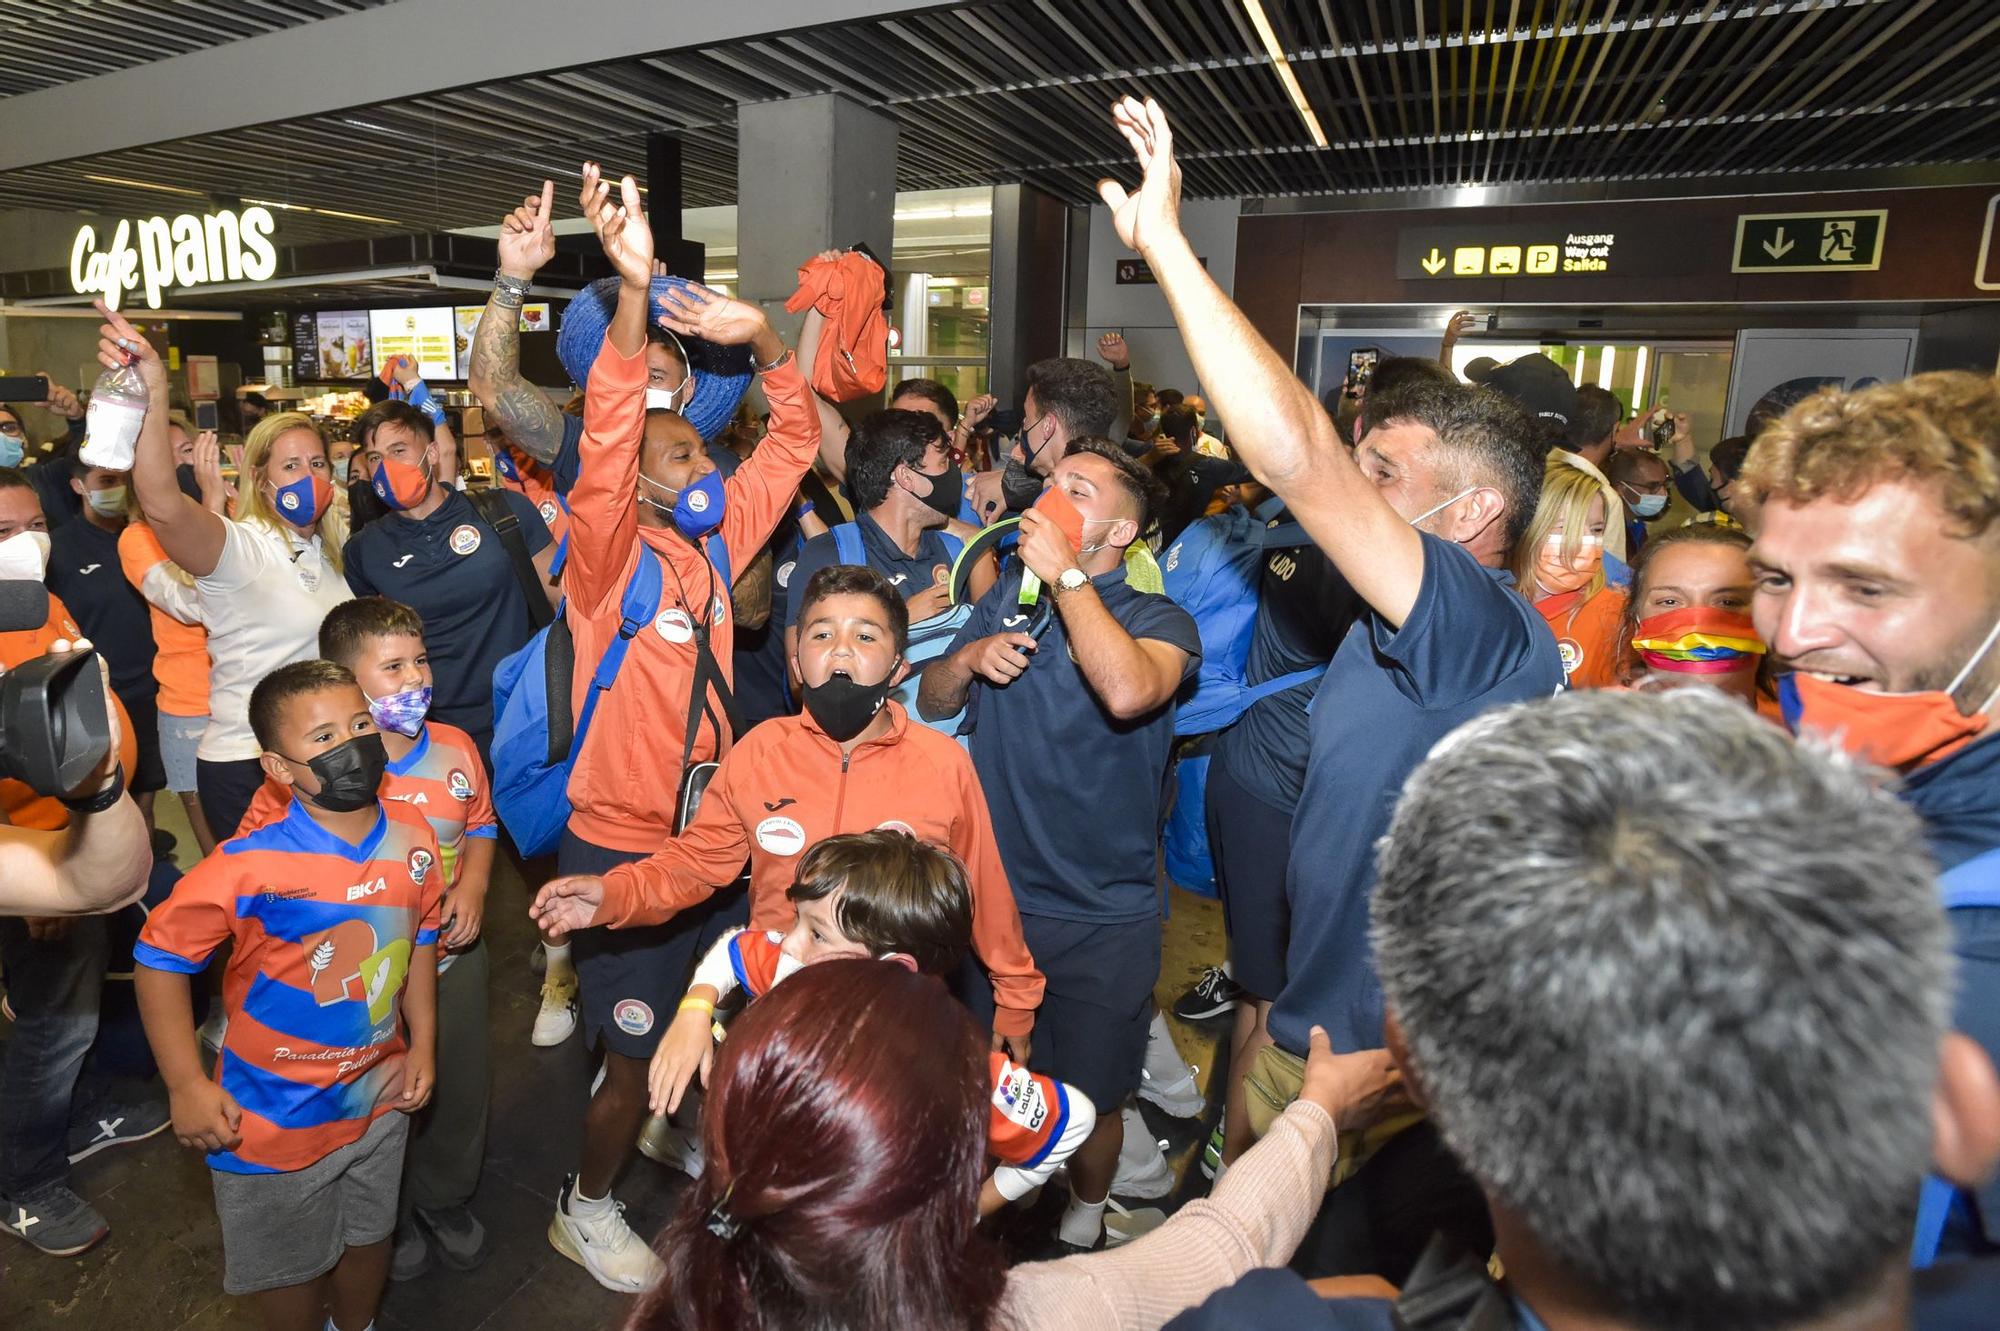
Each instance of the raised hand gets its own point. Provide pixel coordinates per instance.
(61, 401)
(698, 311)
(621, 227)
(119, 343)
(208, 472)
(1112, 347)
(1152, 214)
(978, 410)
(527, 235)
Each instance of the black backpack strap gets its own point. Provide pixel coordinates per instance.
(493, 510)
(1451, 1290)
(559, 676)
(824, 504)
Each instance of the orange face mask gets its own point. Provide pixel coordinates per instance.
(1897, 730)
(1060, 509)
(1556, 575)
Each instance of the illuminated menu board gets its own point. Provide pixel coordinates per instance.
(425, 335)
(343, 345)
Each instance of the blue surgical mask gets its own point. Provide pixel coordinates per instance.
(698, 509)
(341, 467)
(12, 448)
(1649, 506)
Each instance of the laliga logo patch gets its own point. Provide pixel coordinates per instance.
(465, 539)
(784, 573)
(781, 836)
(697, 501)
(632, 1016)
(288, 499)
(421, 861)
(1571, 654)
(674, 625)
(549, 510)
(459, 784)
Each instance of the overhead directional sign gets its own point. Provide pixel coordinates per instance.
(1504, 250)
(1810, 242)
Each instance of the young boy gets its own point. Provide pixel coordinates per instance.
(879, 894)
(435, 769)
(851, 762)
(331, 994)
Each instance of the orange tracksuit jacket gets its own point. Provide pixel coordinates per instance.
(623, 786)
(785, 787)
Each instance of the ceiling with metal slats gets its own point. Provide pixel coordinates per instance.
(1411, 95)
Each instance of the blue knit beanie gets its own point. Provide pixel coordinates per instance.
(722, 374)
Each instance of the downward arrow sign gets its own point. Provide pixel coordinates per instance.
(1433, 262)
(1778, 247)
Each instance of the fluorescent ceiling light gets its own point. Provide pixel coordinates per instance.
(1255, 8)
(940, 214)
(145, 184)
(323, 212)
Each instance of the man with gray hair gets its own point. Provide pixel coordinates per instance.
(1677, 992)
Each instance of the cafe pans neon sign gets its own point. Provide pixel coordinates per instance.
(187, 251)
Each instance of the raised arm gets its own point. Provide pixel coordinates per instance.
(832, 426)
(1279, 431)
(190, 534)
(526, 413)
(1111, 346)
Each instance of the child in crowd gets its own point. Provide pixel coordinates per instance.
(887, 895)
(435, 769)
(331, 993)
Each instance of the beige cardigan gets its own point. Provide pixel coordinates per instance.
(1255, 1218)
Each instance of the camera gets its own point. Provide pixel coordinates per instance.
(54, 730)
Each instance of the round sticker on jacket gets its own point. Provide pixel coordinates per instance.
(549, 510)
(459, 784)
(632, 1016)
(465, 539)
(1571, 655)
(783, 577)
(675, 625)
(420, 865)
(781, 836)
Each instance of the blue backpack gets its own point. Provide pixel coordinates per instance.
(1213, 572)
(929, 639)
(535, 743)
(1971, 885)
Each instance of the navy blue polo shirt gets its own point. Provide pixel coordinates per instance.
(1304, 608)
(906, 574)
(1075, 794)
(1471, 643)
(569, 460)
(1275, 1296)
(84, 571)
(452, 569)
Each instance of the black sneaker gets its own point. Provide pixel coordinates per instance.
(460, 1238)
(53, 1220)
(117, 1123)
(1213, 994)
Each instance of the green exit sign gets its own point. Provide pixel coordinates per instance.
(1810, 242)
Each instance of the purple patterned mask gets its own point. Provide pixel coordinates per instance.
(402, 712)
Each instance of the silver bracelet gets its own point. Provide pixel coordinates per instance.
(766, 369)
(511, 292)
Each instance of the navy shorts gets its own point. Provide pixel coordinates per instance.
(1098, 1007)
(1252, 845)
(630, 981)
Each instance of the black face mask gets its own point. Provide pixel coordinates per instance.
(947, 490)
(184, 477)
(349, 775)
(1019, 487)
(843, 708)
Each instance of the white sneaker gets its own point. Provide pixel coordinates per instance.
(1181, 1098)
(556, 1021)
(214, 1029)
(676, 1148)
(1121, 1226)
(1143, 1170)
(604, 1245)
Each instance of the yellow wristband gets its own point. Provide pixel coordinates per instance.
(697, 1004)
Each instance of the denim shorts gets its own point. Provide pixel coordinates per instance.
(179, 737)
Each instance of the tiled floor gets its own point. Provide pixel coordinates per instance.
(161, 1267)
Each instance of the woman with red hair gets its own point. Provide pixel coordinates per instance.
(845, 1140)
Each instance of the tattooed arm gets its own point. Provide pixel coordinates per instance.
(526, 414)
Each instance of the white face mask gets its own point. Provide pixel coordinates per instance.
(1418, 520)
(668, 399)
(24, 556)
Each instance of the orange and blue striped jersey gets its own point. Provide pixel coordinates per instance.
(325, 933)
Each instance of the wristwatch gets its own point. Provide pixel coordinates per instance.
(1072, 580)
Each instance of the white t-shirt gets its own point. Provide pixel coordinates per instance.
(262, 605)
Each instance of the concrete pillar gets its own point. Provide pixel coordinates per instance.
(1030, 278)
(813, 173)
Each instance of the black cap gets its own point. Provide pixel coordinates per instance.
(1480, 368)
(1539, 384)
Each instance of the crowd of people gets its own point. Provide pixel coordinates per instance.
(1612, 901)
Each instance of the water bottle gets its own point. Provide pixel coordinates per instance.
(111, 422)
